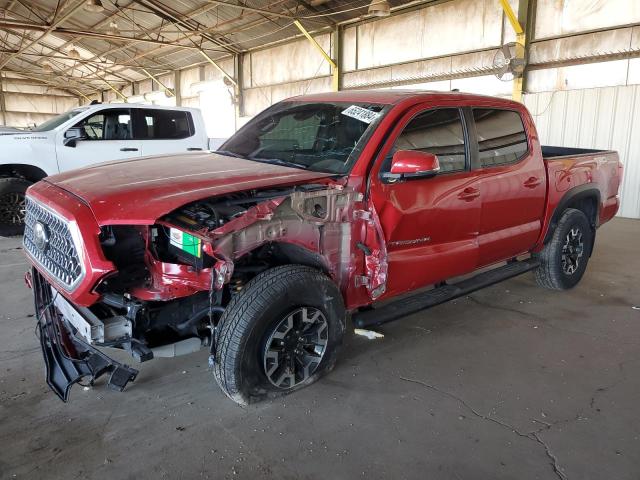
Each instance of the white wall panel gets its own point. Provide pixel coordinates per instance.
(557, 17)
(212, 73)
(446, 28)
(19, 102)
(189, 77)
(588, 75)
(602, 118)
(291, 62)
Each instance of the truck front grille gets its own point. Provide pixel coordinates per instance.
(49, 242)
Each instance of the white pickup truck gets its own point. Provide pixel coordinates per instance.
(85, 136)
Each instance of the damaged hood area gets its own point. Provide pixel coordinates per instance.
(140, 191)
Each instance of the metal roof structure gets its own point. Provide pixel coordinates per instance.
(86, 46)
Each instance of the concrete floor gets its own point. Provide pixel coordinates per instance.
(512, 382)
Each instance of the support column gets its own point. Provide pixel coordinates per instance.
(521, 40)
(239, 69)
(336, 44)
(177, 74)
(335, 71)
(3, 106)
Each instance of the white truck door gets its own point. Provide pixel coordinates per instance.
(109, 136)
(168, 131)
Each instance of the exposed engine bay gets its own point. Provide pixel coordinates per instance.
(174, 278)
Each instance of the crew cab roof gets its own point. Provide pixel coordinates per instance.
(391, 97)
(101, 106)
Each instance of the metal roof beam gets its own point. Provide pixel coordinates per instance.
(44, 34)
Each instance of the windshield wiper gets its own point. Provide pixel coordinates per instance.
(229, 153)
(277, 161)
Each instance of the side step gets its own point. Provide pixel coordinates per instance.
(408, 305)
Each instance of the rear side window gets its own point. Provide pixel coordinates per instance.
(165, 125)
(501, 136)
(435, 131)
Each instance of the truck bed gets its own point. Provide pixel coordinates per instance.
(572, 171)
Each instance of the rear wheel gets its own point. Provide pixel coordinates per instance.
(281, 333)
(12, 205)
(563, 260)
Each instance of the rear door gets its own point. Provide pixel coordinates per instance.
(512, 179)
(109, 137)
(430, 225)
(166, 131)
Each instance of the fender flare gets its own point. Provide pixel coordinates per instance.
(572, 195)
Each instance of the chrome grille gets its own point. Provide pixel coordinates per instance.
(59, 254)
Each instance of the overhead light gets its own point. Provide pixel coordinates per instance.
(379, 8)
(94, 6)
(46, 66)
(113, 28)
(73, 53)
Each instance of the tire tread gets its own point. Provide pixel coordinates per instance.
(237, 320)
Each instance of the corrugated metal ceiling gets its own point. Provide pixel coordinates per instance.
(115, 43)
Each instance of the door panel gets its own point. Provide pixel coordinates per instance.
(109, 137)
(430, 231)
(513, 184)
(430, 225)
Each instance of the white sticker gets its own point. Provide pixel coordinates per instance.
(362, 114)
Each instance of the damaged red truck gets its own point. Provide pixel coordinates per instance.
(362, 206)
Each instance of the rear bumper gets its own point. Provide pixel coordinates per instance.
(68, 359)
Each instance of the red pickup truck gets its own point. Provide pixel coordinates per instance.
(366, 206)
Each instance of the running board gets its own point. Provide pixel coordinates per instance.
(408, 305)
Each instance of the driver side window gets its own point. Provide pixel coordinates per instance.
(436, 131)
(111, 124)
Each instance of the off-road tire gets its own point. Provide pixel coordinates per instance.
(10, 186)
(255, 311)
(550, 274)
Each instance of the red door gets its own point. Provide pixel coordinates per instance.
(513, 183)
(430, 225)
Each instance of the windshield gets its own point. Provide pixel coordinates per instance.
(57, 121)
(323, 137)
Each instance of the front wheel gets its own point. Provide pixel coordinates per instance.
(280, 333)
(12, 205)
(563, 260)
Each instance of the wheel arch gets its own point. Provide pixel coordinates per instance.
(585, 198)
(275, 254)
(22, 170)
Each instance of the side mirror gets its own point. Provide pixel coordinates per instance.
(410, 164)
(73, 135)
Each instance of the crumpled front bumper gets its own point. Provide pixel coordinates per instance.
(69, 359)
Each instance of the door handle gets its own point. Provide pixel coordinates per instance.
(194, 149)
(469, 194)
(128, 149)
(532, 182)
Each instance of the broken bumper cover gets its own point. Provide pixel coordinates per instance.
(69, 359)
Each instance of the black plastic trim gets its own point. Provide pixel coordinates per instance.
(574, 194)
(443, 293)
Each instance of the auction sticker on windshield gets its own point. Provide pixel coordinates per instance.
(362, 114)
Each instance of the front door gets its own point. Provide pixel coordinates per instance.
(430, 225)
(109, 136)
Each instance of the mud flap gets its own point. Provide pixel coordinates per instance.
(67, 358)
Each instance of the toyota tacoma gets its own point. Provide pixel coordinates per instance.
(325, 209)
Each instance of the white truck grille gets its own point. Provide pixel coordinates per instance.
(49, 242)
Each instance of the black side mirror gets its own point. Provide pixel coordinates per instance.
(73, 135)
